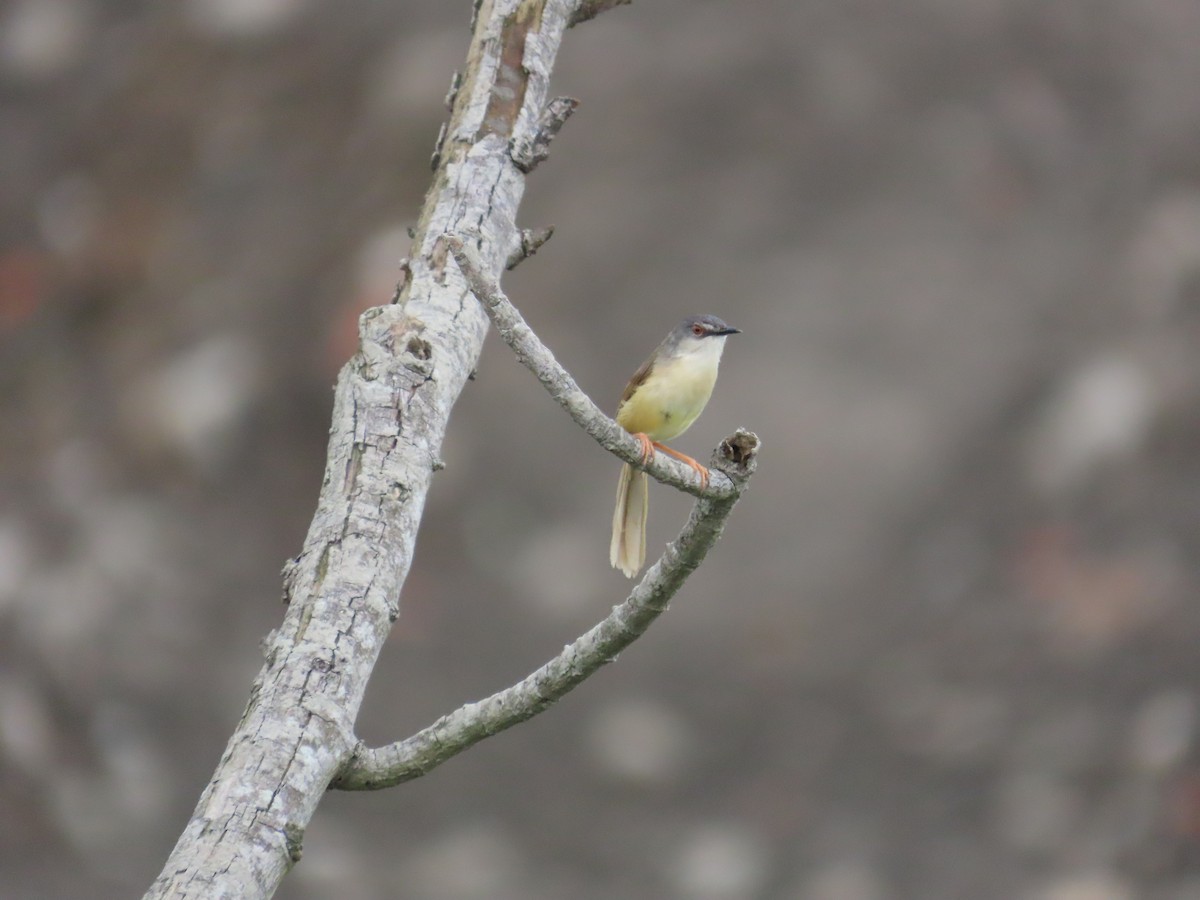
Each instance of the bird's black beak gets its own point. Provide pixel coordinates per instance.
(729, 330)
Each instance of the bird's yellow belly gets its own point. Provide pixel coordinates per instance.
(669, 401)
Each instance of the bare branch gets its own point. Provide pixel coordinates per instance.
(589, 9)
(531, 242)
(391, 406)
(534, 147)
(536, 357)
(373, 769)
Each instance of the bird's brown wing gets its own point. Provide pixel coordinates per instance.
(638, 379)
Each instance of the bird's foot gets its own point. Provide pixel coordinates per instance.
(647, 447)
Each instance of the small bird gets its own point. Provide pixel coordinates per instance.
(661, 401)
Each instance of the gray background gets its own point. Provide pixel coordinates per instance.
(947, 648)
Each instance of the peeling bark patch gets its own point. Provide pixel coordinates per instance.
(508, 88)
(306, 612)
(289, 578)
(323, 565)
(437, 261)
(353, 466)
(435, 159)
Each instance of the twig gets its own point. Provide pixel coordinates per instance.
(532, 240)
(589, 9)
(533, 148)
(536, 357)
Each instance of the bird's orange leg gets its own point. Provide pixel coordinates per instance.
(647, 446)
(684, 458)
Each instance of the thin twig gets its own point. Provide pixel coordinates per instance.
(531, 242)
(534, 148)
(589, 9)
(536, 357)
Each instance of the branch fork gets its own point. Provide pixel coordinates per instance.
(734, 461)
(391, 406)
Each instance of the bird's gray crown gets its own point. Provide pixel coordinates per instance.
(696, 328)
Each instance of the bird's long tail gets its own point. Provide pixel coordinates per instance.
(628, 549)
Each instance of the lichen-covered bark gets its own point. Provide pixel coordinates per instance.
(392, 404)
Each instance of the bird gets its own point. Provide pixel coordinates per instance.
(664, 397)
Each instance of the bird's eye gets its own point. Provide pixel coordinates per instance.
(698, 330)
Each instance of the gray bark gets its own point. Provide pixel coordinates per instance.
(392, 404)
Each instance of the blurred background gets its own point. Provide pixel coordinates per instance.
(948, 645)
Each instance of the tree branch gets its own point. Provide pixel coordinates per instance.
(735, 459)
(534, 148)
(373, 769)
(536, 357)
(391, 407)
(531, 242)
(589, 9)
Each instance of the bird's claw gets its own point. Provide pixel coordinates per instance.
(647, 447)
